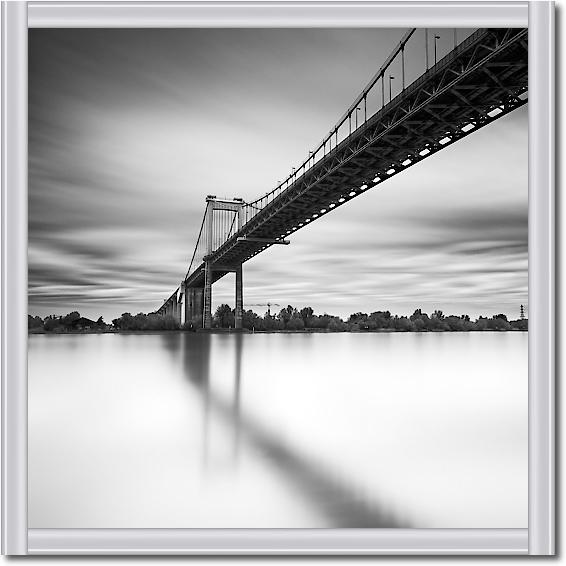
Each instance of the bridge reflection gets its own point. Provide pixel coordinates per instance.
(333, 496)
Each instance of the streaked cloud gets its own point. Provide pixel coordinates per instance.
(131, 129)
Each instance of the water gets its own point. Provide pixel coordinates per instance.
(278, 430)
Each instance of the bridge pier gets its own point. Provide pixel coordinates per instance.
(177, 313)
(207, 309)
(239, 298)
(181, 301)
(194, 305)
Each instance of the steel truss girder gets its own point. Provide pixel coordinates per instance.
(398, 133)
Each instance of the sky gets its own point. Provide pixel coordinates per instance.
(129, 130)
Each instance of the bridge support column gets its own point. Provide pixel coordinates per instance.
(182, 302)
(239, 297)
(194, 305)
(207, 308)
(178, 308)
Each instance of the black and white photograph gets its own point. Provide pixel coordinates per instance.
(278, 278)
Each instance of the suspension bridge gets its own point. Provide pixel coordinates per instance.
(437, 102)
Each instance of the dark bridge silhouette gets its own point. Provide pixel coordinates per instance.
(481, 79)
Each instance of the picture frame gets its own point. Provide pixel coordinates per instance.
(538, 539)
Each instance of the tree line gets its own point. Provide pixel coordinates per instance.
(288, 319)
(74, 322)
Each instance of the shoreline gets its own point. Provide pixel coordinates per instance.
(246, 331)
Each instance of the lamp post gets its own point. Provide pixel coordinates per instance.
(357, 110)
(436, 38)
(391, 78)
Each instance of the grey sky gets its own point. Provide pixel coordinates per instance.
(129, 130)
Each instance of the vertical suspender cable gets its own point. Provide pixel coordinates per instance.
(426, 47)
(403, 66)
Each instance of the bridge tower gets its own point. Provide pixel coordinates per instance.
(214, 236)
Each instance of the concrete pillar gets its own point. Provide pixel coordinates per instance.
(177, 304)
(207, 307)
(194, 305)
(188, 304)
(198, 305)
(182, 300)
(239, 297)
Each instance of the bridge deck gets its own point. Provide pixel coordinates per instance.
(482, 79)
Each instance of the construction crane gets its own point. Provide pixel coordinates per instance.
(268, 305)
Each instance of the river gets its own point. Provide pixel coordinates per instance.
(183, 430)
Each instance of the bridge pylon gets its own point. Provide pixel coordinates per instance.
(231, 214)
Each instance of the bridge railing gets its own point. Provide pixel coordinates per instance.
(416, 52)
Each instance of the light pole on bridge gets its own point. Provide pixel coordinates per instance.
(436, 38)
(391, 78)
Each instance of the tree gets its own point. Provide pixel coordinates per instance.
(380, 319)
(224, 317)
(418, 324)
(456, 323)
(296, 323)
(402, 323)
(421, 318)
(416, 315)
(252, 321)
(68, 319)
(52, 323)
(498, 323)
(286, 314)
(141, 321)
(35, 322)
(521, 324)
(306, 314)
(337, 325)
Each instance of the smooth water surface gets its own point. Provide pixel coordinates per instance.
(278, 430)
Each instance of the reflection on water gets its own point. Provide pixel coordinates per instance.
(314, 484)
(339, 430)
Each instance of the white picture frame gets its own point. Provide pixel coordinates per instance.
(538, 539)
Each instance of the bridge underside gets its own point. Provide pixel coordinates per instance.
(484, 78)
